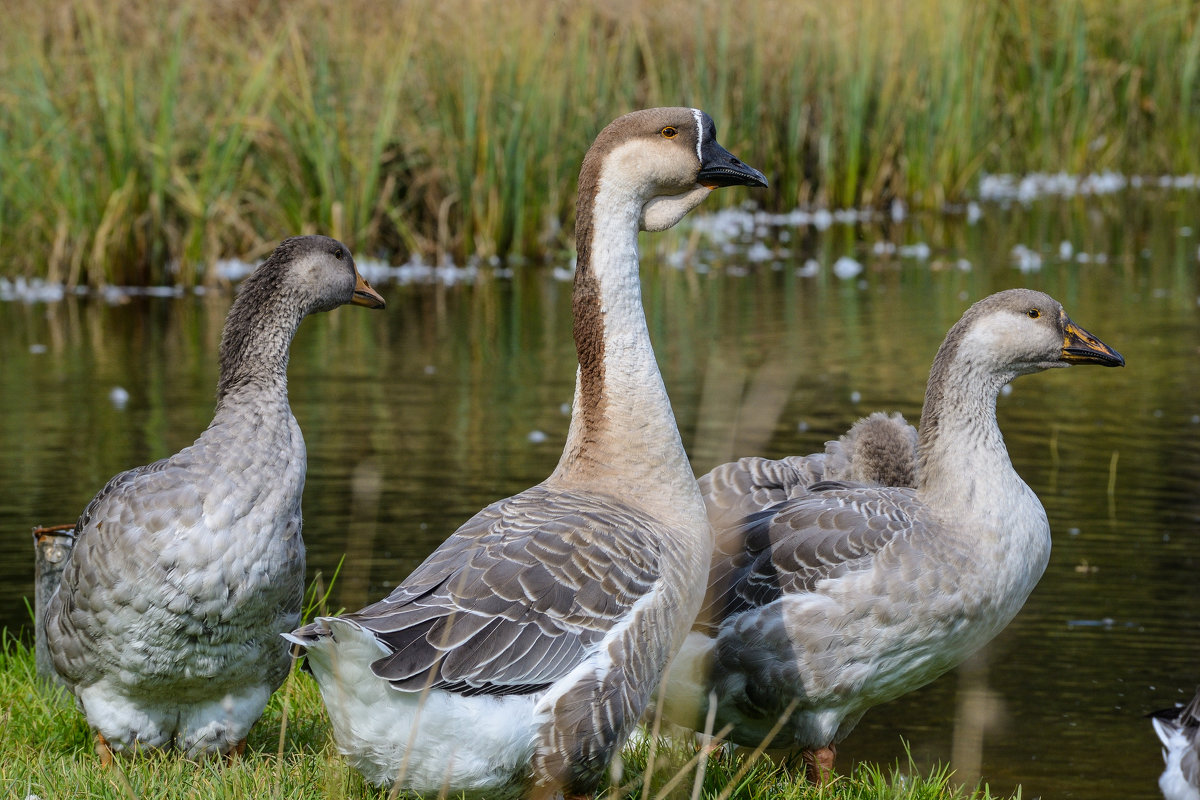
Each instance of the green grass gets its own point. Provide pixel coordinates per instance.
(45, 746)
(141, 140)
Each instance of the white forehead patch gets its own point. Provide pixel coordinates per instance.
(699, 133)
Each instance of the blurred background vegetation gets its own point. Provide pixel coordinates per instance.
(141, 141)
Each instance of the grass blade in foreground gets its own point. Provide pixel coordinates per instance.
(46, 746)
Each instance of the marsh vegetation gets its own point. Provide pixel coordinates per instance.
(142, 141)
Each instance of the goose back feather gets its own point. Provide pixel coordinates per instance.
(878, 450)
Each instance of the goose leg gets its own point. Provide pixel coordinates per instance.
(818, 764)
(104, 750)
(236, 752)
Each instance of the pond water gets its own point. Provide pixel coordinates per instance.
(773, 337)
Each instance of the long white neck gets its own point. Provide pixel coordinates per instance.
(623, 432)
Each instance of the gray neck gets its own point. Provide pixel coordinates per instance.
(255, 342)
(961, 451)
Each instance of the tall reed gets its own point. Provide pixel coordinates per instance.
(140, 141)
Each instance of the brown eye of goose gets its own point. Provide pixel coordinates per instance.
(669, 132)
(1033, 313)
(339, 254)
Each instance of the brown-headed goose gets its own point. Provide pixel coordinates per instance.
(1179, 730)
(166, 622)
(878, 450)
(518, 657)
(847, 596)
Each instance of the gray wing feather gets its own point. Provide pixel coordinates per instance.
(98, 561)
(516, 597)
(878, 450)
(835, 528)
(137, 594)
(734, 491)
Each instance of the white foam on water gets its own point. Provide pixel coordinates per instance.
(1037, 185)
(119, 397)
(919, 251)
(1025, 259)
(759, 252)
(812, 268)
(31, 290)
(846, 268)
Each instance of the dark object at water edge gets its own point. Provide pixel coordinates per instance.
(51, 546)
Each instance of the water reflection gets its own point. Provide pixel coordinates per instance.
(417, 418)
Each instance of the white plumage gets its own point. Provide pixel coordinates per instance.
(1179, 731)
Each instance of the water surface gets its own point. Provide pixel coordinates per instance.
(456, 396)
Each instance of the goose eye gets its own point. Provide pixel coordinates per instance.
(669, 132)
(1033, 313)
(339, 254)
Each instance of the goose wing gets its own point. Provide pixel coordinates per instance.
(789, 548)
(517, 597)
(115, 563)
(735, 491)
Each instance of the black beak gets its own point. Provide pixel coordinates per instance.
(719, 167)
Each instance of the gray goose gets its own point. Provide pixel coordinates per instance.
(1179, 731)
(847, 596)
(879, 450)
(166, 623)
(520, 654)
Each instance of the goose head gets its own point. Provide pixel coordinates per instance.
(316, 273)
(304, 275)
(1005, 335)
(668, 159)
(1020, 331)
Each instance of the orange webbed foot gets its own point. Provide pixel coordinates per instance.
(236, 752)
(818, 764)
(104, 750)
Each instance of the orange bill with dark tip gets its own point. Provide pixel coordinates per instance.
(364, 295)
